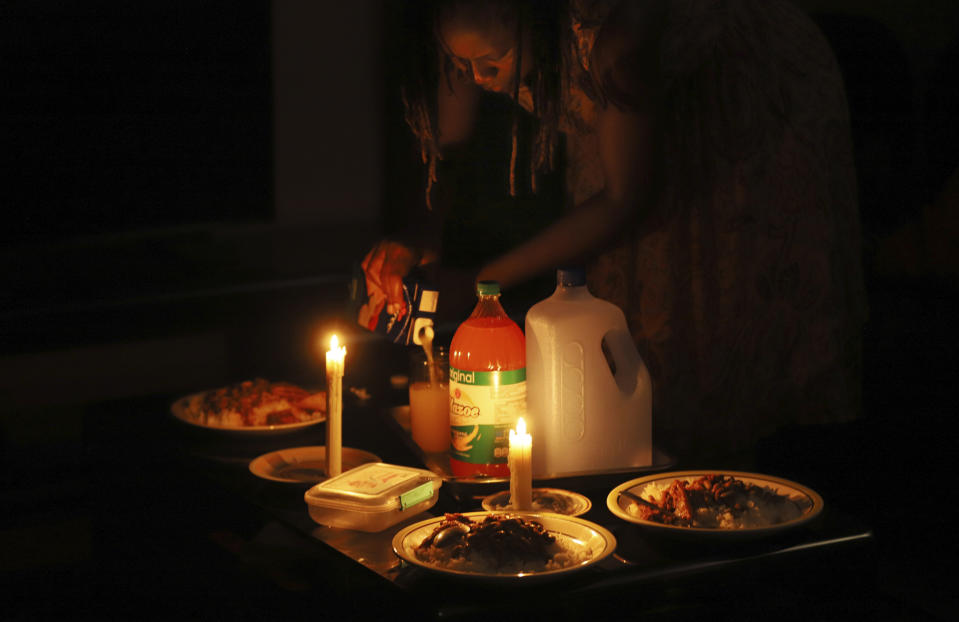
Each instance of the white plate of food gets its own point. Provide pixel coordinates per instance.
(252, 407)
(714, 504)
(504, 546)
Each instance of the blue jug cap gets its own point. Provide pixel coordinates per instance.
(573, 276)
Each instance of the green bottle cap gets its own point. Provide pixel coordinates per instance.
(487, 288)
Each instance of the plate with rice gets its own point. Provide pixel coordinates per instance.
(256, 406)
(504, 546)
(727, 505)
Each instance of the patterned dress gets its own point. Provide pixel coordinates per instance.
(741, 283)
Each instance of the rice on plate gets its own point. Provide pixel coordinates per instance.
(255, 403)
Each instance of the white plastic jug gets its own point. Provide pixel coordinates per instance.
(588, 392)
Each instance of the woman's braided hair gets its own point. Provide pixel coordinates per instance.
(547, 22)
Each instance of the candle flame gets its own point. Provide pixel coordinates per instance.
(520, 426)
(334, 343)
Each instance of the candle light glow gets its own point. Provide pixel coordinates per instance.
(520, 467)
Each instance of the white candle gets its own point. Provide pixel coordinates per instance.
(520, 467)
(334, 411)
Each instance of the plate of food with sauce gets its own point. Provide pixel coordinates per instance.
(504, 546)
(714, 504)
(252, 407)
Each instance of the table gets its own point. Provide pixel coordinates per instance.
(193, 486)
(829, 558)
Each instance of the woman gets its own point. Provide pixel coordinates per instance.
(711, 190)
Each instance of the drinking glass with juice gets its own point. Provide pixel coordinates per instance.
(430, 399)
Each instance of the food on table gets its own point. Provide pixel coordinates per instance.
(717, 501)
(498, 543)
(256, 402)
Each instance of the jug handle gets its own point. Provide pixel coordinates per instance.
(625, 362)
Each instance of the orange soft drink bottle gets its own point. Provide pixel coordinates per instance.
(487, 387)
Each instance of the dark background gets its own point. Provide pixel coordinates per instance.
(185, 185)
(121, 118)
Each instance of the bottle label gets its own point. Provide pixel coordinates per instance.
(484, 406)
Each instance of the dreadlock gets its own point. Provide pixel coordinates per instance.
(550, 30)
(420, 64)
(547, 22)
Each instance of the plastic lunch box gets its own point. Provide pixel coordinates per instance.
(372, 496)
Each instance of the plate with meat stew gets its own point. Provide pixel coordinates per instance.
(504, 546)
(256, 406)
(714, 504)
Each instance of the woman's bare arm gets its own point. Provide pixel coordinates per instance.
(625, 148)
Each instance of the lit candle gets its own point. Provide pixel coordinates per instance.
(520, 467)
(334, 411)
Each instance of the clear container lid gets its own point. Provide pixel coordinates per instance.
(375, 487)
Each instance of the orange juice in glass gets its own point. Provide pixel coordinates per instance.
(430, 399)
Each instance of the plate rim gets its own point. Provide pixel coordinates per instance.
(818, 504)
(178, 410)
(606, 534)
(263, 456)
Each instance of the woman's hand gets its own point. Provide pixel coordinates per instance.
(387, 263)
(385, 266)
